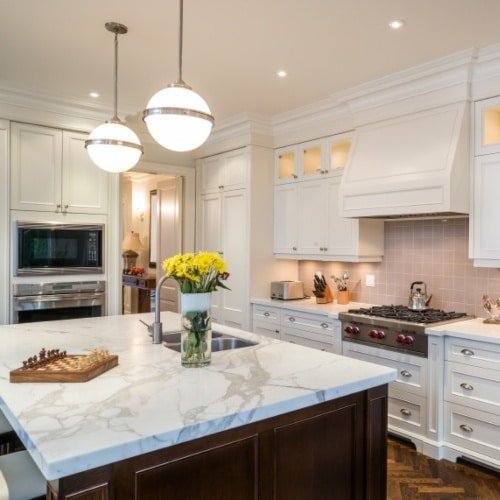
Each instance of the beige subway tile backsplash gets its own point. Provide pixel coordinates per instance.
(433, 251)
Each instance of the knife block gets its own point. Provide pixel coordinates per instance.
(327, 298)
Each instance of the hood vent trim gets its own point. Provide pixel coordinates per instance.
(415, 165)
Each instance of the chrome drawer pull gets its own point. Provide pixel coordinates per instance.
(406, 373)
(324, 325)
(405, 412)
(266, 314)
(292, 319)
(467, 352)
(466, 428)
(466, 386)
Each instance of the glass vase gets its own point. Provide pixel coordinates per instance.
(196, 334)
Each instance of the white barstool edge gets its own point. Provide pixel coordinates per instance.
(20, 478)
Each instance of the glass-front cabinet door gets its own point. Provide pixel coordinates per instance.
(311, 159)
(337, 151)
(487, 126)
(286, 168)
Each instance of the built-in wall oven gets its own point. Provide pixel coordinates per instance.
(62, 300)
(58, 249)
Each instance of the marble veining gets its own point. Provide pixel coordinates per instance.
(149, 401)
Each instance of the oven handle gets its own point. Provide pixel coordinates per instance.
(56, 297)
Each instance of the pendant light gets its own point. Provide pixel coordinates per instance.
(112, 146)
(178, 118)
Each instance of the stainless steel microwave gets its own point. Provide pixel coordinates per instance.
(55, 249)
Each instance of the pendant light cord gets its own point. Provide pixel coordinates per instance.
(181, 20)
(115, 117)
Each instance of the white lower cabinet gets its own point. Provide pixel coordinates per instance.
(472, 399)
(308, 329)
(407, 404)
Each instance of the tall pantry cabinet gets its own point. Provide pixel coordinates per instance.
(235, 219)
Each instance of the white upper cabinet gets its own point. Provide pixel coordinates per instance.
(484, 237)
(487, 126)
(307, 224)
(51, 172)
(312, 159)
(224, 172)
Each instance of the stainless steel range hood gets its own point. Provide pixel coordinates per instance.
(414, 166)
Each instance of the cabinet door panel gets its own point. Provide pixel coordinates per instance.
(342, 232)
(235, 244)
(211, 219)
(35, 167)
(285, 219)
(486, 207)
(211, 177)
(84, 185)
(312, 217)
(235, 170)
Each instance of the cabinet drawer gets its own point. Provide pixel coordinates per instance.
(473, 430)
(268, 314)
(472, 386)
(308, 322)
(471, 352)
(266, 328)
(411, 370)
(300, 340)
(406, 411)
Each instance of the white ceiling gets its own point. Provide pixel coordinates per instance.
(232, 48)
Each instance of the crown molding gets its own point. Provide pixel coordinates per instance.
(486, 77)
(438, 82)
(15, 99)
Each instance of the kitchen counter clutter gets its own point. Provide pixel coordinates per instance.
(331, 309)
(149, 402)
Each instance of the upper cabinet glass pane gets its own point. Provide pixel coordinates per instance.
(491, 126)
(312, 160)
(286, 165)
(339, 154)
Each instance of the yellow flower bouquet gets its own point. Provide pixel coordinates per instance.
(197, 273)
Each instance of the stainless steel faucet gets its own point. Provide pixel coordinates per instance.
(157, 325)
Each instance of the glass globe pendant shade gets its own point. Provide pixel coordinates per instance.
(113, 147)
(178, 118)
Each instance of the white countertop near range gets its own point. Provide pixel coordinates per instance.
(309, 306)
(472, 329)
(149, 401)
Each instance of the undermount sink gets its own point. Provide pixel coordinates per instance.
(175, 337)
(219, 343)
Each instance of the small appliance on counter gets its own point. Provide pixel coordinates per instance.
(287, 290)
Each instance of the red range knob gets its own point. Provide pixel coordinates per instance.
(373, 334)
(348, 329)
(400, 339)
(380, 335)
(408, 340)
(355, 330)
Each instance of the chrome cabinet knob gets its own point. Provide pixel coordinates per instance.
(324, 325)
(291, 319)
(406, 412)
(467, 352)
(266, 314)
(405, 373)
(294, 249)
(466, 428)
(466, 386)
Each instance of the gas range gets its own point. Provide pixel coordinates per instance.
(394, 327)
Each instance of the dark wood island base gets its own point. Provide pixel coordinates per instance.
(333, 450)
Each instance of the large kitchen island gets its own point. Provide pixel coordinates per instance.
(270, 421)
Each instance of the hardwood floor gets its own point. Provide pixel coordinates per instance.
(412, 475)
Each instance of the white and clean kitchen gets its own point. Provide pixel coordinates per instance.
(249, 250)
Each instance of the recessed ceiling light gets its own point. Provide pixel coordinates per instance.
(396, 24)
(282, 73)
(93, 94)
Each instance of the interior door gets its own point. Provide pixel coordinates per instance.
(169, 238)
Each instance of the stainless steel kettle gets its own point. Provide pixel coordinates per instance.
(418, 301)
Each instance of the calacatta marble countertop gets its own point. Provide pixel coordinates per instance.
(472, 329)
(149, 401)
(309, 305)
